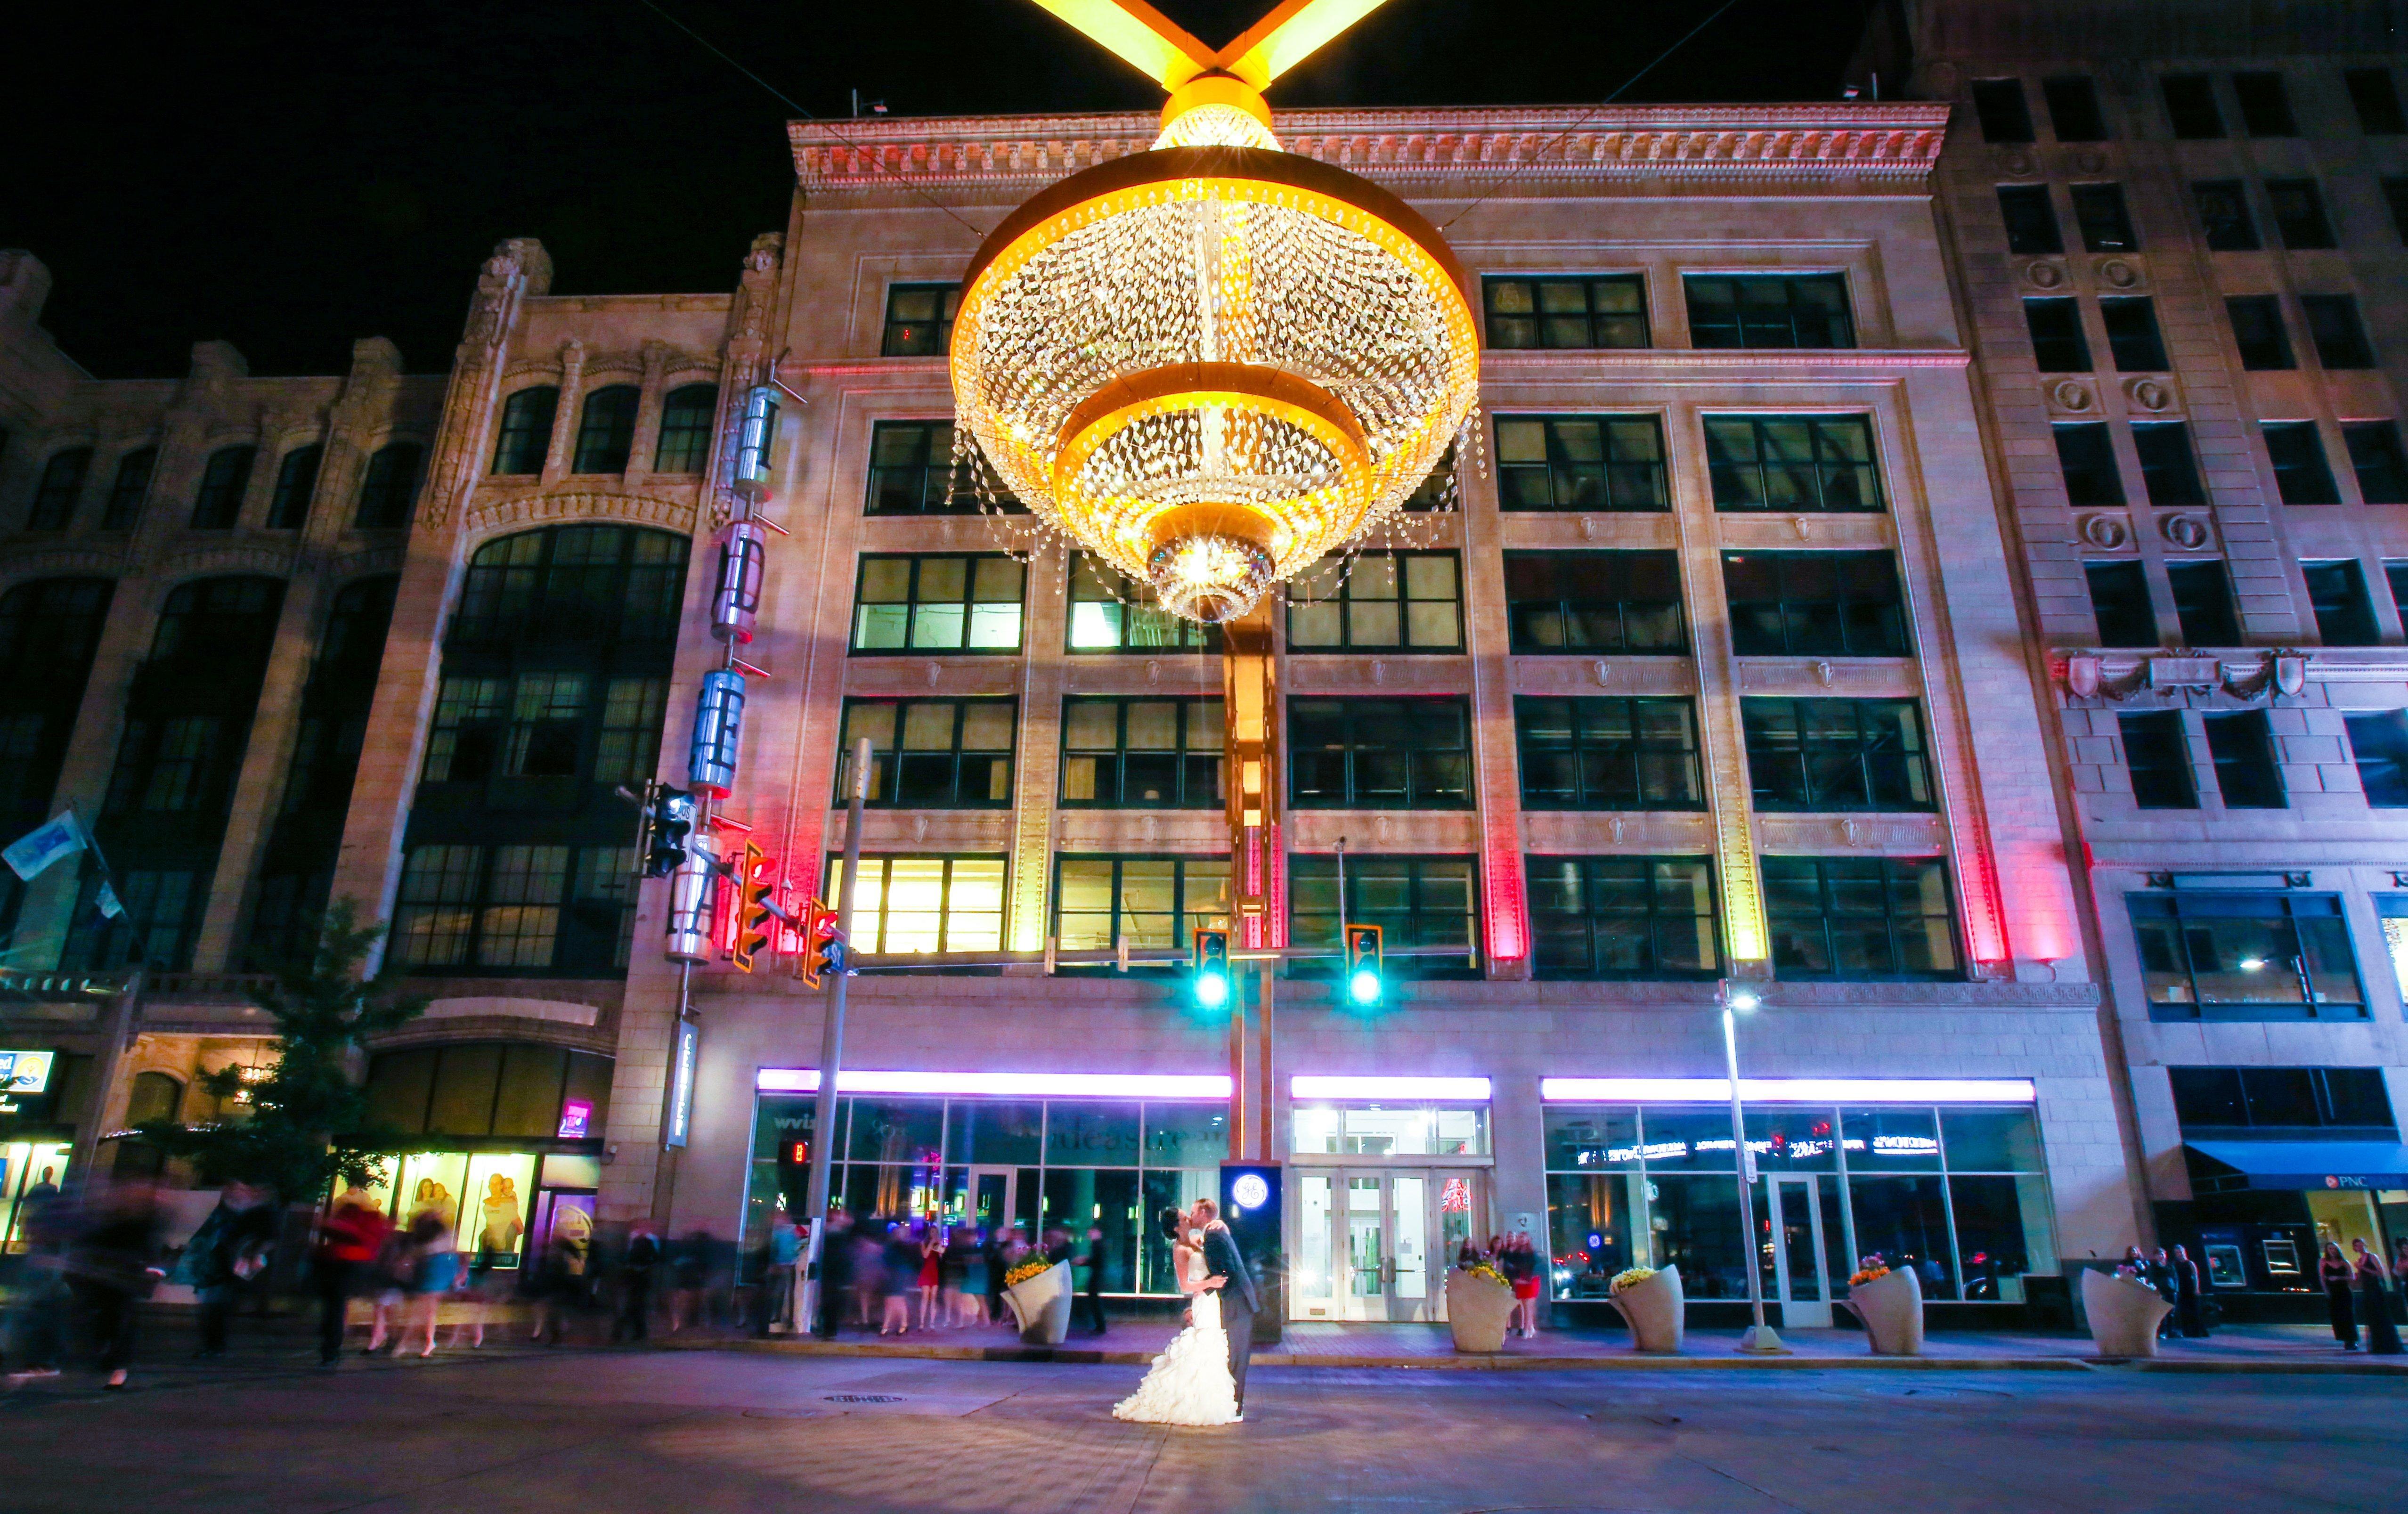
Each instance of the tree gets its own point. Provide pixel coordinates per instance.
(307, 1122)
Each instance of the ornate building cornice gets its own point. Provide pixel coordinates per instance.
(488, 516)
(1799, 144)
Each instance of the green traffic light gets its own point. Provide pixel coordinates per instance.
(1363, 986)
(1211, 990)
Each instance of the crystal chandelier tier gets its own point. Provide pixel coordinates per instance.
(1213, 363)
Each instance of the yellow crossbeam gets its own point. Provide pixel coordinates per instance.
(1165, 53)
(1288, 36)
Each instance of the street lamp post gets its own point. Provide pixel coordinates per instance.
(1759, 1339)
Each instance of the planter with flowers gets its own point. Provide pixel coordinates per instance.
(1479, 1306)
(2124, 1312)
(1039, 1295)
(1649, 1301)
(1890, 1301)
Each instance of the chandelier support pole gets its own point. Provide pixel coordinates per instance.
(1251, 779)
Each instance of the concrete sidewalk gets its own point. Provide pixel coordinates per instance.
(2278, 1349)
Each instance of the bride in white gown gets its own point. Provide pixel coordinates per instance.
(1189, 1382)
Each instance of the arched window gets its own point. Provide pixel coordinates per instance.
(355, 627)
(686, 418)
(581, 584)
(526, 430)
(222, 482)
(296, 479)
(607, 431)
(125, 495)
(154, 1095)
(55, 502)
(391, 487)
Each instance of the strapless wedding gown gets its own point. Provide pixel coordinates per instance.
(1189, 1382)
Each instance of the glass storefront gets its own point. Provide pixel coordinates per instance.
(1958, 1193)
(1031, 1164)
(499, 1205)
(1386, 1192)
(26, 1164)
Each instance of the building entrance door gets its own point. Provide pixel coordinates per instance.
(1800, 1281)
(991, 1196)
(1374, 1242)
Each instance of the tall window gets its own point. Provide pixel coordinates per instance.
(54, 497)
(514, 909)
(2300, 218)
(2278, 1100)
(223, 478)
(2339, 335)
(1625, 602)
(1567, 312)
(1861, 918)
(1806, 464)
(2156, 754)
(2057, 343)
(525, 434)
(2031, 221)
(911, 471)
(924, 903)
(2345, 612)
(2002, 110)
(1377, 601)
(2190, 107)
(1153, 904)
(2087, 458)
(2213, 954)
(49, 631)
(2119, 599)
(1109, 613)
(920, 318)
(2106, 226)
(297, 480)
(950, 603)
(1608, 753)
(1141, 753)
(2258, 331)
(2302, 476)
(2248, 775)
(1417, 901)
(2168, 470)
(389, 490)
(1769, 310)
(2203, 604)
(687, 414)
(2132, 338)
(2378, 744)
(1379, 755)
(2073, 109)
(1624, 917)
(1831, 755)
(2265, 104)
(931, 753)
(1815, 604)
(1591, 462)
(131, 486)
(607, 433)
(2377, 101)
(2376, 457)
(160, 923)
(575, 585)
(2224, 215)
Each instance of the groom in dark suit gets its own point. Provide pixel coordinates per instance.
(1226, 1269)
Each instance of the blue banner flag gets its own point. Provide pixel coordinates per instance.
(61, 836)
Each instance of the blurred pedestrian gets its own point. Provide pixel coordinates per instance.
(689, 1270)
(969, 1246)
(561, 1280)
(35, 1325)
(2333, 1270)
(2186, 1301)
(1090, 1280)
(931, 1280)
(900, 1280)
(232, 1248)
(432, 1260)
(350, 1235)
(868, 1269)
(998, 1241)
(780, 1279)
(2161, 1276)
(637, 1265)
(2374, 1302)
(1520, 1264)
(112, 1263)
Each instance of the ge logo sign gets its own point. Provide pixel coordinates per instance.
(1249, 1191)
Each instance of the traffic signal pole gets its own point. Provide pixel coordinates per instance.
(818, 1308)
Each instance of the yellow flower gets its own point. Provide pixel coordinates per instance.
(1632, 1278)
(1027, 1270)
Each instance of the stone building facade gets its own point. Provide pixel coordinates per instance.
(1716, 671)
(2178, 238)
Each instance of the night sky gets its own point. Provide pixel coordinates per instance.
(288, 177)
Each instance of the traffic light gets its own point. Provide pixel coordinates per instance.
(1209, 979)
(757, 908)
(1364, 983)
(823, 950)
(667, 825)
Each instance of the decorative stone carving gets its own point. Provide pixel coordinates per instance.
(1822, 674)
(2150, 395)
(1588, 527)
(1379, 673)
(1800, 524)
(2118, 273)
(2072, 396)
(936, 671)
(2017, 162)
(2089, 160)
(2190, 532)
(2109, 533)
(519, 269)
(518, 510)
(1603, 672)
(2045, 275)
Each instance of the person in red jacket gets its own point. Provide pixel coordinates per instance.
(350, 1237)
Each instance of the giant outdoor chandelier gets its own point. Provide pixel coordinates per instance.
(1214, 362)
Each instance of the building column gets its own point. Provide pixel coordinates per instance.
(1487, 640)
(275, 725)
(1038, 763)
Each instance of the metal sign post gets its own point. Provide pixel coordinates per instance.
(815, 1304)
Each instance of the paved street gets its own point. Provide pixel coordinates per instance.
(709, 1431)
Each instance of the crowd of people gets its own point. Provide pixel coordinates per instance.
(2357, 1293)
(901, 1274)
(1517, 1257)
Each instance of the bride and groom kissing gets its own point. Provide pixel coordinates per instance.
(1201, 1378)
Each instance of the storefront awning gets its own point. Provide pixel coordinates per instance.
(2300, 1165)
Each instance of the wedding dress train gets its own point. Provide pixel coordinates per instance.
(1189, 1382)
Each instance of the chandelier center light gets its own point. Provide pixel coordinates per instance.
(1215, 361)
